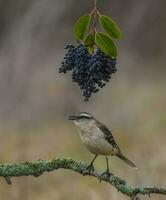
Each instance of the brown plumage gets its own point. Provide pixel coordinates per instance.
(109, 137)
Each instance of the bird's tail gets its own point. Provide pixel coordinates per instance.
(127, 161)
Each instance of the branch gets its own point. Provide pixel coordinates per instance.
(38, 168)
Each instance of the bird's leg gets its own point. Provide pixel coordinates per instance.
(107, 172)
(90, 167)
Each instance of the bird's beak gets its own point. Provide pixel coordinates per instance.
(73, 117)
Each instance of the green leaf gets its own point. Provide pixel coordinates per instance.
(90, 39)
(89, 42)
(106, 44)
(81, 26)
(110, 26)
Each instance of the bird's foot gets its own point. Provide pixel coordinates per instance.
(105, 176)
(89, 169)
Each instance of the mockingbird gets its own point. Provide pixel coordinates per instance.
(98, 139)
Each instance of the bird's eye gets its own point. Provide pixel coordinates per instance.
(85, 117)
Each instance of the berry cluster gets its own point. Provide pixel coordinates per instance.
(89, 71)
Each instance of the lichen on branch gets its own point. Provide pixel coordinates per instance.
(38, 168)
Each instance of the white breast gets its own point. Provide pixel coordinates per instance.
(95, 142)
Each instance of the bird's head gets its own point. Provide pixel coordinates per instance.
(82, 119)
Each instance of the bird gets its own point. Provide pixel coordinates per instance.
(98, 139)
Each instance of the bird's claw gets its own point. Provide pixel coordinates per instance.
(106, 175)
(89, 169)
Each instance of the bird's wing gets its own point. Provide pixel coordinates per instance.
(108, 135)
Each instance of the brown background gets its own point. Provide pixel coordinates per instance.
(35, 100)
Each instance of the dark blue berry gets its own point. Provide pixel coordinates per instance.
(89, 71)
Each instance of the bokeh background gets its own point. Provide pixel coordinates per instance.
(35, 100)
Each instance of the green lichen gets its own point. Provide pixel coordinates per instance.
(38, 168)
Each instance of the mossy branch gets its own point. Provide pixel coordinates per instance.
(38, 168)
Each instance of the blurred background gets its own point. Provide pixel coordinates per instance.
(35, 100)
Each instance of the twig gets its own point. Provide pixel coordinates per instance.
(95, 3)
(38, 168)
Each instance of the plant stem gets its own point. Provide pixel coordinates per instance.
(94, 21)
(95, 2)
